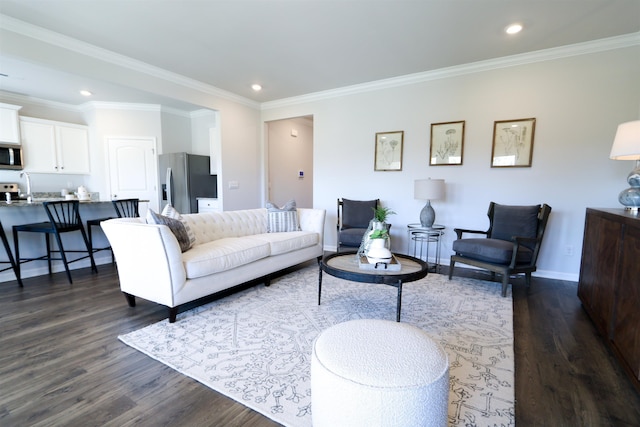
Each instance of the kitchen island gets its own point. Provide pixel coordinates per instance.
(33, 244)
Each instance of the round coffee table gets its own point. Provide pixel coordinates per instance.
(344, 265)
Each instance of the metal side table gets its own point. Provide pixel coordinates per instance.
(420, 238)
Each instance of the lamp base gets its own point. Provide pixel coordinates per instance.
(630, 198)
(427, 215)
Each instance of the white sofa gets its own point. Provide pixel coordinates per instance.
(231, 248)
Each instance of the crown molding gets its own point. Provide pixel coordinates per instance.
(13, 97)
(78, 46)
(612, 43)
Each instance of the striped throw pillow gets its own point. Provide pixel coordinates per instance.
(282, 219)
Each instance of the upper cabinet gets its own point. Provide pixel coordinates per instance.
(54, 147)
(9, 128)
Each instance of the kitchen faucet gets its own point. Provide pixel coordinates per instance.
(29, 196)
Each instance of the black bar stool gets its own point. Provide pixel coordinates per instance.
(11, 260)
(125, 208)
(64, 217)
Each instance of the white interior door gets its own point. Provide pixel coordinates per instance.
(133, 171)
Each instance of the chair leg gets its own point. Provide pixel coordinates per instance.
(505, 283)
(89, 251)
(62, 255)
(48, 244)
(527, 279)
(12, 261)
(451, 264)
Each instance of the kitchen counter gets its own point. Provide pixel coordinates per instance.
(32, 244)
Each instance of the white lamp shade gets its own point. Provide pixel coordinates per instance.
(428, 189)
(626, 145)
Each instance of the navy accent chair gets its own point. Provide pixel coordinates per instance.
(511, 244)
(353, 221)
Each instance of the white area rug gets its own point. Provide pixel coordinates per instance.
(255, 346)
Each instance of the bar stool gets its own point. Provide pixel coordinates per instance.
(64, 217)
(125, 208)
(11, 260)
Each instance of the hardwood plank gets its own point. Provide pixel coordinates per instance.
(62, 364)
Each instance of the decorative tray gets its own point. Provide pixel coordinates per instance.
(393, 265)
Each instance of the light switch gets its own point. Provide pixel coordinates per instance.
(294, 132)
(233, 185)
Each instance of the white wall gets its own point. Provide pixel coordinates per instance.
(577, 101)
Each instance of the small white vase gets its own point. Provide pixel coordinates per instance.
(378, 252)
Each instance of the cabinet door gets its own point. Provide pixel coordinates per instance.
(9, 130)
(626, 331)
(598, 272)
(38, 147)
(72, 150)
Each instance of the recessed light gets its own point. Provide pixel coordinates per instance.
(256, 87)
(85, 93)
(513, 29)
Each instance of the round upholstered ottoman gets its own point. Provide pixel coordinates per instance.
(378, 373)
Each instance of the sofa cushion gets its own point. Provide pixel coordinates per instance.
(491, 250)
(209, 226)
(223, 254)
(357, 213)
(282, 219)
(281, 243)
(512, 221)
(176, 226)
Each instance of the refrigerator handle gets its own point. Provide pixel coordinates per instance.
(169, 187)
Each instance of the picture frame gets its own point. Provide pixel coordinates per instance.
(447, 143)
(388, 151)
(513, 143)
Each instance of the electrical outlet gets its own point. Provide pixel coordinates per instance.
(568, 250)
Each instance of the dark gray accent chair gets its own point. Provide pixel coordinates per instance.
(511, 244)
(352, 221)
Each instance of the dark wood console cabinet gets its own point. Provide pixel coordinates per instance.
(609, 285)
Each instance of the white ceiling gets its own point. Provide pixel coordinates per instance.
(291, 48)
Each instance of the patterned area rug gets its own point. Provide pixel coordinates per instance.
(255, 346)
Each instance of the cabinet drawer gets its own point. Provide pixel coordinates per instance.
(208, 205)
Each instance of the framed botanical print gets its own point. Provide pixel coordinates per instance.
(388, 155)
(512, 143)
(447, 143)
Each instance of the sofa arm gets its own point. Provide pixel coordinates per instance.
(148, 257)
(312, 220)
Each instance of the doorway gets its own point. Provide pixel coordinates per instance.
(290, 161)
(133, 170)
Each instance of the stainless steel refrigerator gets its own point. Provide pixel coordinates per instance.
(183, 178)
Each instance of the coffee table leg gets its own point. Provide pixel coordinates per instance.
(319, 284)
(399, 300)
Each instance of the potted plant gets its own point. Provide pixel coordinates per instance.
(379, 234)
(381, 213)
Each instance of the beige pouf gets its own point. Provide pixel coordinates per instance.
(378, 373)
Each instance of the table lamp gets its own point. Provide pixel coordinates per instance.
(626, 146)
(428, 189)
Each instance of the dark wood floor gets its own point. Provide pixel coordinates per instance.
(62, 364)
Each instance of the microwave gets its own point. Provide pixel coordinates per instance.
(11, 157)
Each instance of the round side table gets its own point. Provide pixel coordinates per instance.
(420, 238)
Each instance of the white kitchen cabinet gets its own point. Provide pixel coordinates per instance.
(9, 124)
(208, 205)
(54, 147)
